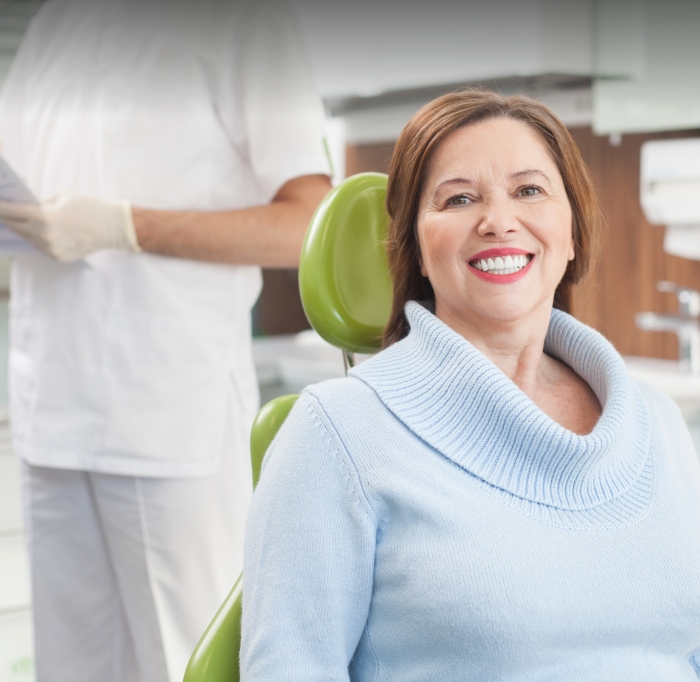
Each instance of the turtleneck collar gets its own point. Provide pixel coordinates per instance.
(456, 400)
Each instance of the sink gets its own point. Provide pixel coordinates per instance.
(668, 376)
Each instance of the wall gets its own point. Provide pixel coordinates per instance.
(657, 43)
(14, 18)
(365, 47)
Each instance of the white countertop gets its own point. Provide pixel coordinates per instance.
(297, 360)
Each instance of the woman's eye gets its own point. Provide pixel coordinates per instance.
(529, 191)
(458, 200)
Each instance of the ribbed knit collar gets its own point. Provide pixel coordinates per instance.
(456, 400)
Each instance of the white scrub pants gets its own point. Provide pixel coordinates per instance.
(127, 572)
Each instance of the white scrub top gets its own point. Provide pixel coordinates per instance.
(129, 363)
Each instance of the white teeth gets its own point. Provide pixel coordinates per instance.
(502, 266)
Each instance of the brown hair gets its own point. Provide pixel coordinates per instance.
(414, 149)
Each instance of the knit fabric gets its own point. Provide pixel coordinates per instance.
(423, 519)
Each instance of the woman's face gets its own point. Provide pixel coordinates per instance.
(494, 224)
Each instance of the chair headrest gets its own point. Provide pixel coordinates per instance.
(343, 274)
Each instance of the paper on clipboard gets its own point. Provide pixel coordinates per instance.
(13, 189)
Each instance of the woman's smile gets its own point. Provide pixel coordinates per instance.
(501, 266)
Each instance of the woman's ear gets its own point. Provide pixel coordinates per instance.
(572, 244)
(419, 256)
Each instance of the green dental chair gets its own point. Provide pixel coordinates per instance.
(346, 292)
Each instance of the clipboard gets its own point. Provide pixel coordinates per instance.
(14, 190)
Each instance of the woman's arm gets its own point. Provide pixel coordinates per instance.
(309, 557)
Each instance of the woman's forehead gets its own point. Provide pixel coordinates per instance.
(502, 147)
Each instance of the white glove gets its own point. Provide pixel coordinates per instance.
(70, 226)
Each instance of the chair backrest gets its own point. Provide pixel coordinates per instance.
(346, 292)
(265, 427)
(215, 658)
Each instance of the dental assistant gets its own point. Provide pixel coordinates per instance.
(491, 497)
(175, 147)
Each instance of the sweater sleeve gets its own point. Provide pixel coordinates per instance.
(309, 557)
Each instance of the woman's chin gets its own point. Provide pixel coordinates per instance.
(506, 311)
(505, 315)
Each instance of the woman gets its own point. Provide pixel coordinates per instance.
(491, 497)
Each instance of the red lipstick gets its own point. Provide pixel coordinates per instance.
(502, 252)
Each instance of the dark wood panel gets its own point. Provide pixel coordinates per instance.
(366, 158)
(279, 309)
(632, 260)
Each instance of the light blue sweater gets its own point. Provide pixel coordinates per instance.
(424, 520)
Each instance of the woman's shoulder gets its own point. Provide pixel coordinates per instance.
(669, 429)
(659, 402)
(340, 389)
(327, 431)
(342, 403)
(336, 406)
(342, 415)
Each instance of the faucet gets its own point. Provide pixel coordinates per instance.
(686, 324)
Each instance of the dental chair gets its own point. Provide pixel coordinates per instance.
(346, 293)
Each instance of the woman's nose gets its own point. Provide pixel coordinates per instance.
(498, 219)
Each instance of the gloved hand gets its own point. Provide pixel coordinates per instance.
(70, 226)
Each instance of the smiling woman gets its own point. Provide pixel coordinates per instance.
(413, 161)
(498, 213)
(491, 496)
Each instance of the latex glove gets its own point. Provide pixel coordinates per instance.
(70, 226)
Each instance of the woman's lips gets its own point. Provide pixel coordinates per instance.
(502, 252)
(501, 266)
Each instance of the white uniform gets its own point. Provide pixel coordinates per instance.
(134, 364)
